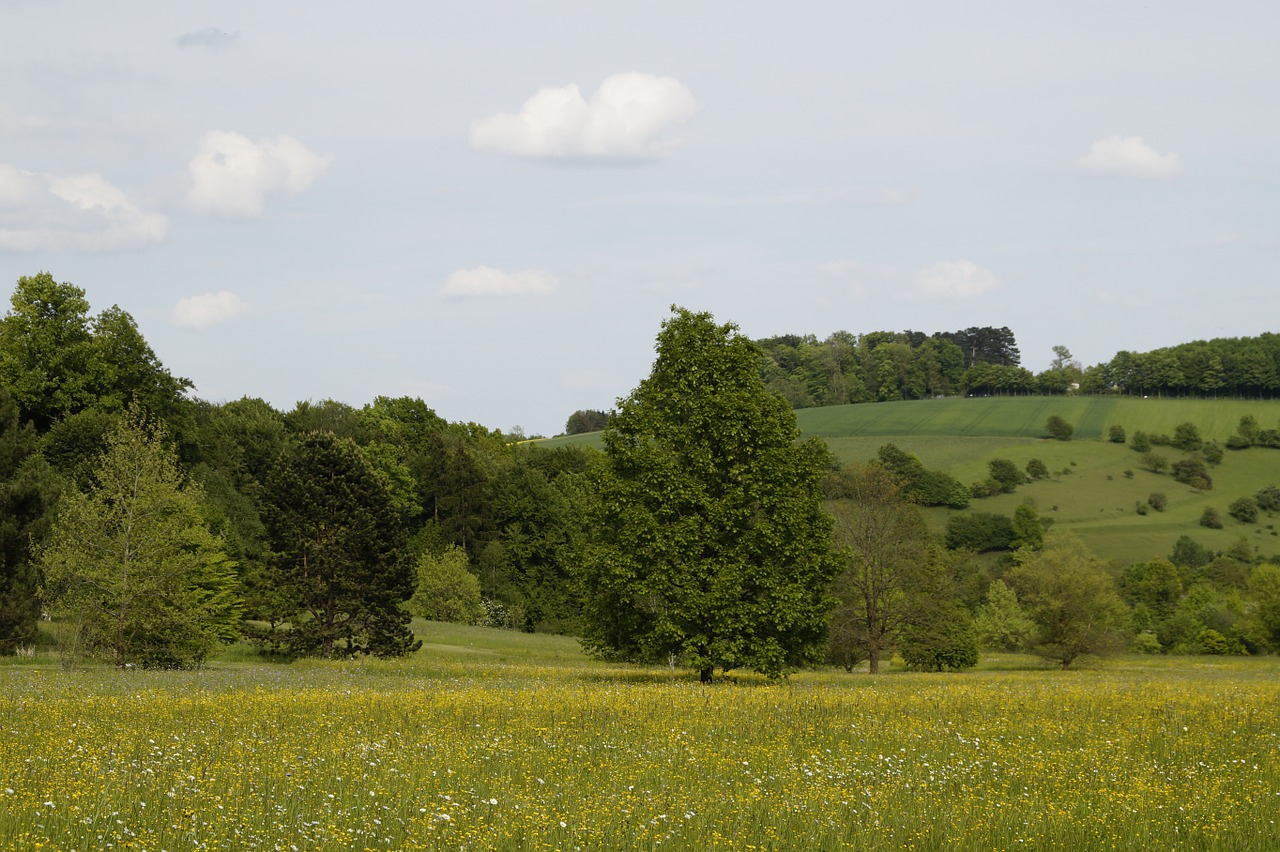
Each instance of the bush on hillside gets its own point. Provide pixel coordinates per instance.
(979, 532)
(1116, 434)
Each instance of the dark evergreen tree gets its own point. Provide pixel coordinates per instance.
(338, 552)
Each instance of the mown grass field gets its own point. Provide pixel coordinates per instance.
(493, 740)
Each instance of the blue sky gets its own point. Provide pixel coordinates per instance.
(492, 205)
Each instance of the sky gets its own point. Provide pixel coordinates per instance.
(493, 205)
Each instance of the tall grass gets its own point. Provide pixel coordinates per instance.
(453, 749)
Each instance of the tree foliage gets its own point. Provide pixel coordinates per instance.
(1071, 600)
(130, 567)
(446, 590)
(338, 556)
(710, 544)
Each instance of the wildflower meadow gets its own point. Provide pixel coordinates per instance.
(460, 747)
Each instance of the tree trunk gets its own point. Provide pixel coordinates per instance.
(873, 659)
(705, 674)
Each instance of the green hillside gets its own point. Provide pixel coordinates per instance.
(1096, 485)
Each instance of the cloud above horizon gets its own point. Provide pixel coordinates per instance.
(1129, 157)
(72, 213)
(210, 37)
(487, 282)
(232, 176)
(206, 309)
(624, 120)
(955, 278)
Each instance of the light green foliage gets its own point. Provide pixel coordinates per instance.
(447, 590)
(1006, 474)
(1028, 528)
(1264, 588)
(131, 571)
(1000, 623)
(710, 540)
(1071, 599)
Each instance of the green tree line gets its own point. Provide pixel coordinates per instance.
(150, 525)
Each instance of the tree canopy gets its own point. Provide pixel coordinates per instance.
(711, 545)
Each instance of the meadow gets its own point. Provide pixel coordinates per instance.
(488, 739)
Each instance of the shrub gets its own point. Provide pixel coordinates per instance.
(1191, 471)
(1210, 518)
(1058, 428)
(1212, 452)
(1268, 499)
(1146, 642)
(1036, 469)
(1161, 440)
(1157, 501)
(1154, 462)
(1141, 508)
(1244, 510)
(1116, 434)
(979, 532)
(1140, 442)
(1186, 437)
(1007, 474)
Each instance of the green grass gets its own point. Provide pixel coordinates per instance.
(494, 740)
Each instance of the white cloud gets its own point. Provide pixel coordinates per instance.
(1129, 156)
(208, 309)
(71, 213)
(210, 37)
(957, 278)
(231, 176)
(485, 281)
(624, 120)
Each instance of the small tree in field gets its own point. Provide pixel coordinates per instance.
(447, 590)
(1071, 600)
(1058, 428)
(131, 571)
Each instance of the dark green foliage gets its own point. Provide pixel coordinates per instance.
(710, 543)
(1210, 518)
(58, 361)
(1186, 437)
(921, 485)
(979, 532)
(1189, 553)
(1037, 469)
(939, 636)
(1007, 474)
(586, 420)
(1268, 498)
(338, 552)
(1154, 584)
(1058, 428)
(1191, 471)
(1140, 442)
(28, 492)
(1116, 434)
(1244, 510)
(1154, 462)
(1212, 452)
(1157, 501)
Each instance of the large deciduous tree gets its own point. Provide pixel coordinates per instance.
(711, 542)
(338, 555)
(883, 544)
(131, 572)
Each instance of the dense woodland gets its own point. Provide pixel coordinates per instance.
(150, 525)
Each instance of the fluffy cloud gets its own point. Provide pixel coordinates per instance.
(231, 176)
(208, 309)
(1129, 156)
(71, 213)
(957, 278)
(485, 281)
(624, 120)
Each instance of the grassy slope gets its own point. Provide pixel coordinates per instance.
(1089, 492)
